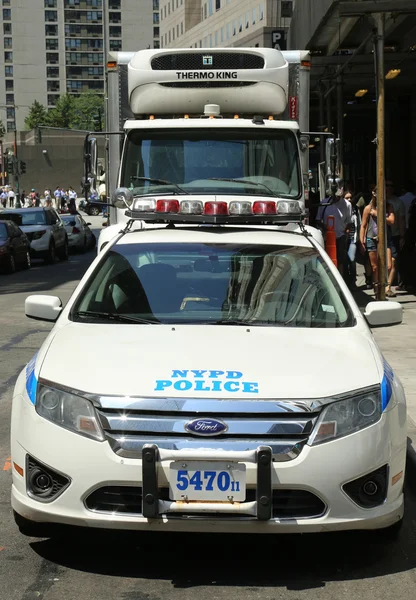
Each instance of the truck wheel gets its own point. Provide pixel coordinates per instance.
(94, 211)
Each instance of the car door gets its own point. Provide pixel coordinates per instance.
(58, 228)
(17, 242)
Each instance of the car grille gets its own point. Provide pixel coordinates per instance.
(195, 62)
(127, 500)
(130, 424)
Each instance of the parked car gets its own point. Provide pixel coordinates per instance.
(80, 236)
(44, 229)
(93, 207)
(14, 247)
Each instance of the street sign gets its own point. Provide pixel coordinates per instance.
(279, 41)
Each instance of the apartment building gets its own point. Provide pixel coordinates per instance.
(55, 46)
(219, 23)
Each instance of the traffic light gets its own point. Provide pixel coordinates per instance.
(10, 163)
(22, 167)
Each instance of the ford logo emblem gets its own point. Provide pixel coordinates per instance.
(206, 427)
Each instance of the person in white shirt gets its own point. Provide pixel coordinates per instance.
(341, 210)
(72, 195)
(12, 197)
(58, 197)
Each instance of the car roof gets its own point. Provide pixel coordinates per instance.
(207, 235)
(27, 210)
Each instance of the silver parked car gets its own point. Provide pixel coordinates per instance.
(80, 236)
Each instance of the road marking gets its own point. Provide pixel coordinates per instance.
(7, 464)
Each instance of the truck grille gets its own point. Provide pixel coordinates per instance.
(127, 500)
(130, 424)
(195, 62)
(207, 84)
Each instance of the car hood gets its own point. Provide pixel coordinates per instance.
(206, 361)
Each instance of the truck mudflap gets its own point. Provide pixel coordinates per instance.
(153, 506)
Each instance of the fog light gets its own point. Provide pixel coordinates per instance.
(370, 490)
(42, 482)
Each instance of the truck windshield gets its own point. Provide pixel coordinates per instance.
(267, 162)
(215, 284)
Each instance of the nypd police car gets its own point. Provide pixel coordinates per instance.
(242, 390)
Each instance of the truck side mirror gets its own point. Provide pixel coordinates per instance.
(90, 163)
(333, 166)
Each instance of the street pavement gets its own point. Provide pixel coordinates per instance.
(98, 565)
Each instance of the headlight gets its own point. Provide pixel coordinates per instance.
(67, 410)
(347, 416)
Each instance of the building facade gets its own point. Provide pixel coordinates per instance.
(221, 23)
(51, 47)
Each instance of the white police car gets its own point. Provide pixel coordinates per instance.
(227, 375)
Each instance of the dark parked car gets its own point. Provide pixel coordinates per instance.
(14, 247)
(93, 207)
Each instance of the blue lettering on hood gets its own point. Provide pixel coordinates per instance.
(205, 380)
(386, 385)
(31, 381)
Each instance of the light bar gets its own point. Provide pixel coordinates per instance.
(163, 210)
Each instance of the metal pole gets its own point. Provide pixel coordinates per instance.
(322, 123)
(16, 162)
(2, 162)
(107, 141)
(340, 122)
(381, 188)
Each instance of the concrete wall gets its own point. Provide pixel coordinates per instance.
(307, 15)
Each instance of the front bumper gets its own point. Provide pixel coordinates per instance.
(321, 471)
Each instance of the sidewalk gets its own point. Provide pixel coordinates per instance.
(398, 344)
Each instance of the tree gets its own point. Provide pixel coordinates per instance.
(38, 115)
(63, 113)
(88, 112)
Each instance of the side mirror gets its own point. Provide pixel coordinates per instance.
(382, 314)
(122, 198)
(88, 223)
(43, 308)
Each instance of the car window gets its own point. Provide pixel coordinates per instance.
(14, 230)
(216, 283)
(35, 217)
(3, 232)
(69, 220)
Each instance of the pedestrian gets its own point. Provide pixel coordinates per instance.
(340, 209)
(12, 197)
(4, 197)
(398, 233)
(354, 245)
(369, 238)
(47, 195)
(64, 198)
(23, 198)
(72, 195)
(58, 197)
(48, 202)
(32, 197)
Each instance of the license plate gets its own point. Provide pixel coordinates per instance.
(207, 481)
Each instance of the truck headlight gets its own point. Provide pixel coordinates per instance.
(347, 416)
(69, 411)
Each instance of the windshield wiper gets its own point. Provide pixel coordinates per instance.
(160, 182)
(115, 317)
(244, 182)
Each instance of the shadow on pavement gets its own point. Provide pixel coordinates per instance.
(301, 562)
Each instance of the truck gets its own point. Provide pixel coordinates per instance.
(225, 121)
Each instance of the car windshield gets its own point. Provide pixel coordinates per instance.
(213, 162)
(3, 232)
(218, 284)
(37, 217)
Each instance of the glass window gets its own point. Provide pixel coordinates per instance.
(52, 58)
(228, 30)
(173, 33)
(50, 3)
(10, 113)
(222, 34)
(115, 31)
(217, 4)
(240, 25)
(256, 284)
(261, 12)
(53, 86)
(9, 98)
(96, 71)
(253, 16)
(210, 7)
(7, 14)
(156, 18)
(51, 30)
(6, 2)
(181, 27)
(69, 44)
(156, 32)
(156, 44)
(11, 126)
(216, 38)
(9, 84)
(115, 45)
(115, 17)
(8, 71)
(98, 3)
(52, 99)
(95, 15)
(194, 162)
(52, 71)
(8, 42)
(8, 57)
(247, 20)
(234, 27)
(177, 30)
(51, 16)
(155, 4)
(52, 44)
(7, 28)
(95, 43)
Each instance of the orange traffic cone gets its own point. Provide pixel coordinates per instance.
(331, 240)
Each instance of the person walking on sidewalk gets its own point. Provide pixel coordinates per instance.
(369, 238)
(398, 232)
(340, 209)
(12, 197)
(354, 245)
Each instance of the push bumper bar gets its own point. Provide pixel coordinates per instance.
(153, 506)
